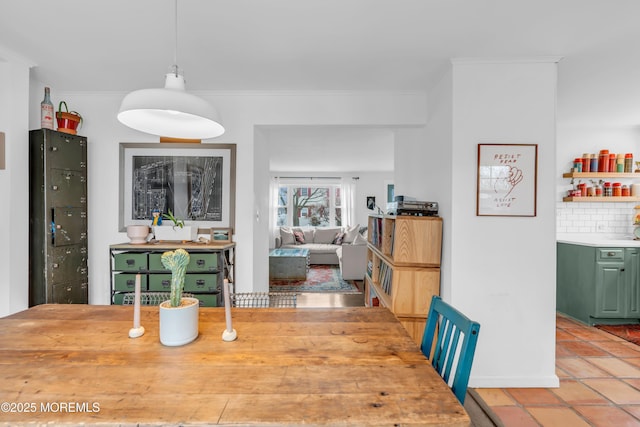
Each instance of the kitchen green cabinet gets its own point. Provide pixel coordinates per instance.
(597, 284)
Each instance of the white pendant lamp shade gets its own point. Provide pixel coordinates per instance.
(170, 112)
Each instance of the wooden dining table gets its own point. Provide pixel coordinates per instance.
(75, 364)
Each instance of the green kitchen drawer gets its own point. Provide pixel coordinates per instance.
(160, 282)
(203, 262)
(198, 262)
(613, 254)
(127, 282)
(130, 261)
(207, 300)
(192, 282)
(201, 282)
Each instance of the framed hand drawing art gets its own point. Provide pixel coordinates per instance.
(507, 179)
(196, 182)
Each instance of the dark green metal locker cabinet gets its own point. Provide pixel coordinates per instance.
(58, 269)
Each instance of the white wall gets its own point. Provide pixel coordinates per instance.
(503, 268)
(14, 183)
(371, 184)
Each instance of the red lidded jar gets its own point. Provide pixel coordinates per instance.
(617, 189)
(603, 161)
(586, 162)
(612, 162)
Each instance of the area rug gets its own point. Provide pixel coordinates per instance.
(629, 332)
(321, 278)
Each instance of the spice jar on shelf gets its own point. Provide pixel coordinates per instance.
(628, 162)
(607, 190)
(616, 189)
(626, 192)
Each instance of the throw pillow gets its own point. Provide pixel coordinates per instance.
(286, 236)
(338, 239)
(299, 237)
(308, 234)
(350, 234)
(359, 240)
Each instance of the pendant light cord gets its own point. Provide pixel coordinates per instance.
(175, 51)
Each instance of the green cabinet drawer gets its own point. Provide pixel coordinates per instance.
(605, 254)
(201, 282)
(160, 282)
(202, 262)
(198, 262)
(192, 282)
(207, 300)
(130, 261)
(155, 263)
(127, 282)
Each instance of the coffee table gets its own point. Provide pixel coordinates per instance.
(291, 264)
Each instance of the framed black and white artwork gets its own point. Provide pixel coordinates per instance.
(196, 182)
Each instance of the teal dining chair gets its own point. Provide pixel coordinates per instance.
(451, 352)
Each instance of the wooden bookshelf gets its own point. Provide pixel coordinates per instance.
(403, 267)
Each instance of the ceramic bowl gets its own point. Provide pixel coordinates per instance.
(137, 234)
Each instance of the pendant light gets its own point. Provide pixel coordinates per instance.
(171, 111)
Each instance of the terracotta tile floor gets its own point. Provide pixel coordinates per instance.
(599, 384)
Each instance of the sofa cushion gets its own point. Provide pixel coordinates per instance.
(321, 248)
(287, 237)
(338, 239)
(351, 233)
(325, 235)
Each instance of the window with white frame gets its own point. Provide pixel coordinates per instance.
(302, 205)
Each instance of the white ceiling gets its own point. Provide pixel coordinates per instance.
(122, 45)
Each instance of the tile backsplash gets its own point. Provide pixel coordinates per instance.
(586, 217)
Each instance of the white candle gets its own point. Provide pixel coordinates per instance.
(229, 334)
(136, 304)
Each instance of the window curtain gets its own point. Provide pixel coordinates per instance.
(274, 231)
(348, 202)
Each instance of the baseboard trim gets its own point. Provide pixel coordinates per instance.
(550, 381)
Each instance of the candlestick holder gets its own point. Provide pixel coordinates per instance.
(229, 334)
(137, 330)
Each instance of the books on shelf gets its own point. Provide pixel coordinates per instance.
(385, 277)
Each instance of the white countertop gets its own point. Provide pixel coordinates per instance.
(598, 239)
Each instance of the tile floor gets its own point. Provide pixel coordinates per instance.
(599, 384)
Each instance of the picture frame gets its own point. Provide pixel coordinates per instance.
(371, 202)
(221, 235)
(507, 180)
(196, 181)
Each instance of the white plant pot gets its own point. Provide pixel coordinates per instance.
(175, 233)
(179, 325)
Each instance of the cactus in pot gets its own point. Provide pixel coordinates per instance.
(177, 262)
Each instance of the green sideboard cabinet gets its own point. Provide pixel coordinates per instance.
(598, 285)
(209, 265)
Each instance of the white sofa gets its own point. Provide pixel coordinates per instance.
(345, 247)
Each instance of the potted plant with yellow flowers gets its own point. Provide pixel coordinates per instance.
(178, 315)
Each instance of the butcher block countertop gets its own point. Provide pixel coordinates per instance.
(73, 364)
